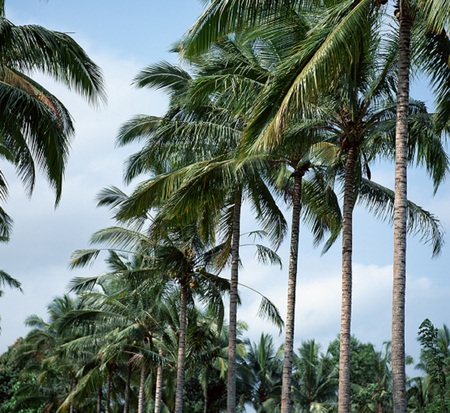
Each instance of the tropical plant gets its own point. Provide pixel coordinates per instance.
(35, 127)
(310, 71)
(259, 375)
(176, 255)
(432, 46)
(203, 182)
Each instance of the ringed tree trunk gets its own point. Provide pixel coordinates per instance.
(159, 379)
(99, 400)
(400, 215)
(181, 349)
(346, 300)
(126, 403)
(141, 397)
(236, 232)
(108, 389)
(292, 283)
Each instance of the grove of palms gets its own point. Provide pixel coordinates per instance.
(275, 106)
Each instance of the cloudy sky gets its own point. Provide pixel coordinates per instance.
(122, 38)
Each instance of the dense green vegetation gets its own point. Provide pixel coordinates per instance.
(100, 347)
(280, 105)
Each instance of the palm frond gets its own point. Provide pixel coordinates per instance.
(380, 200)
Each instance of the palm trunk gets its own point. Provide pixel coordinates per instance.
(346, 303)
(292, 282)
(126, 403)
(108, 390)
(205, 392)
(99, 400)
(236, 232)
(400, 213)
(159, 379)
(72, 386)
(181, 350)
(141, 397)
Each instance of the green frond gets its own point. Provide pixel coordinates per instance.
(120, 238)
(267, 309)
(221, 18)
(82, 284)
(112, 197)
(313, 67)
(163, 75)
(5, 225)
(432, 55)
(33, 47)
(321, 210)
(83, 258)
(6, 279)
(267, 256)
(137, 128)
(436, 14)
(426, 147)
(380, 201)
(39, 133)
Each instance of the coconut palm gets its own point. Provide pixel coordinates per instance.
(434, 42)
(35, 126)
(179, 256)
(203, 181)
(315, 378)
(312, 53)
(290, 157)
(130, 318)
(260, 374)
(311, 61)
(41, 355)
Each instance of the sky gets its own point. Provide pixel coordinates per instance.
(123, 38)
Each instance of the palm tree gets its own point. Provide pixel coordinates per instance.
(203, 177)
(315, 378)
(130, 318)
(42, 356)
(222, 17)
(260, 374)
(434, 40)
(35, 127)
(179, 256)
(6, 279)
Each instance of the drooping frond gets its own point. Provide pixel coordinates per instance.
(380, 201)
(6, 279)
(32, 47)
(224, 17)
(312, 68)
(171, 78)
(40, 132)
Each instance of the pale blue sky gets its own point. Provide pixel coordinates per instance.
(123, 37)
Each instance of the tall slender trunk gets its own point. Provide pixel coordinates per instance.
(346, 303)
(99, 400)
(400, 213)
(181, 350)
(159, 379)
(141, 397)
(126, 402)
(108, 390)
(205, 392)
(292, 282)
(236, 232)
(72, 386)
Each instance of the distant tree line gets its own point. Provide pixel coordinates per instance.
(111, 349)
